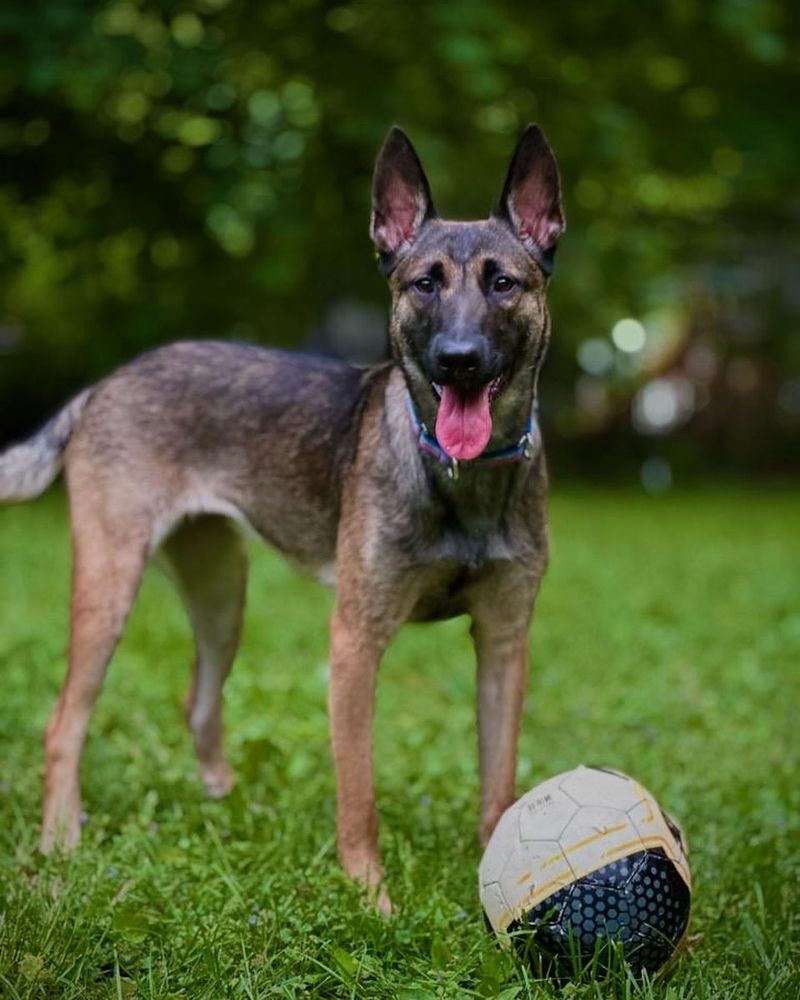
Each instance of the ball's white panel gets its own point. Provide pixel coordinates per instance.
(501, 846)
(533, 872)
(654, 831)
(596, 836)
(494, 906)
(543, 789)
(591, 786)
(544, 816)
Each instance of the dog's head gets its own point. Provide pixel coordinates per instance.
(469, 319)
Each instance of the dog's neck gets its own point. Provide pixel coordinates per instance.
(521, 449)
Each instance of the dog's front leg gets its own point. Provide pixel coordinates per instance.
(355, 654)
(502, 654)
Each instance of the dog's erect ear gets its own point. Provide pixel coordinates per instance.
(401, 199)
(531, 198)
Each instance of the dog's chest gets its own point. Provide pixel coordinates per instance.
(467, 549)
(444, 582)
(468, 526)
(449, 561)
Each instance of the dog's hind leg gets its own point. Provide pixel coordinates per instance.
(207, 560)
(109, 554)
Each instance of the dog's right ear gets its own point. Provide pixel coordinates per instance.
(401, 199)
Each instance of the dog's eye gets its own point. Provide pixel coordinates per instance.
(424, 285)
(503, 283)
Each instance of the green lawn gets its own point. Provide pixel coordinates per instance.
(667, 644)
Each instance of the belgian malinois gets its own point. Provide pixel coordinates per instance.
(418, 486)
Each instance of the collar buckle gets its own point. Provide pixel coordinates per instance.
(525, 445)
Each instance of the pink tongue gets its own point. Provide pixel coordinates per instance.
(464, 422)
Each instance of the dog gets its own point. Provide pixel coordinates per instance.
(419, 486)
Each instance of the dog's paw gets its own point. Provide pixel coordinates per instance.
(369, 874)
(61, 831)
(379, 899)
(376, 898)
(218, 780)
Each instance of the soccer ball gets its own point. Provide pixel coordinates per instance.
(585, 866)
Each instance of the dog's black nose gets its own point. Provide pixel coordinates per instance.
(456, 360)
(459, 360)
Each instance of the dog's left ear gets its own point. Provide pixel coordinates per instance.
(401, 199)
(531, 198)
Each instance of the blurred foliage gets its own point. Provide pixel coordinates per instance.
(202, 169)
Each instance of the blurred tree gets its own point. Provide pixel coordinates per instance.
(202, 169)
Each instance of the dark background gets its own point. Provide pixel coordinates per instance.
(203, 169)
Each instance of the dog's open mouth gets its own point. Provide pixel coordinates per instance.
(464, 418)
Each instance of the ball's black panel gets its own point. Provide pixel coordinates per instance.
(639, 903)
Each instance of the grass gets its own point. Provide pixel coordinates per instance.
(666, 644)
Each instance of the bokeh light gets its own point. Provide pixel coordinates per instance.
(629, 335)
(663, 404)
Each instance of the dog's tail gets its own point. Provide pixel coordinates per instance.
(28, 468)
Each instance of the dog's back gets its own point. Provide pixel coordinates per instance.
(207, 427)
